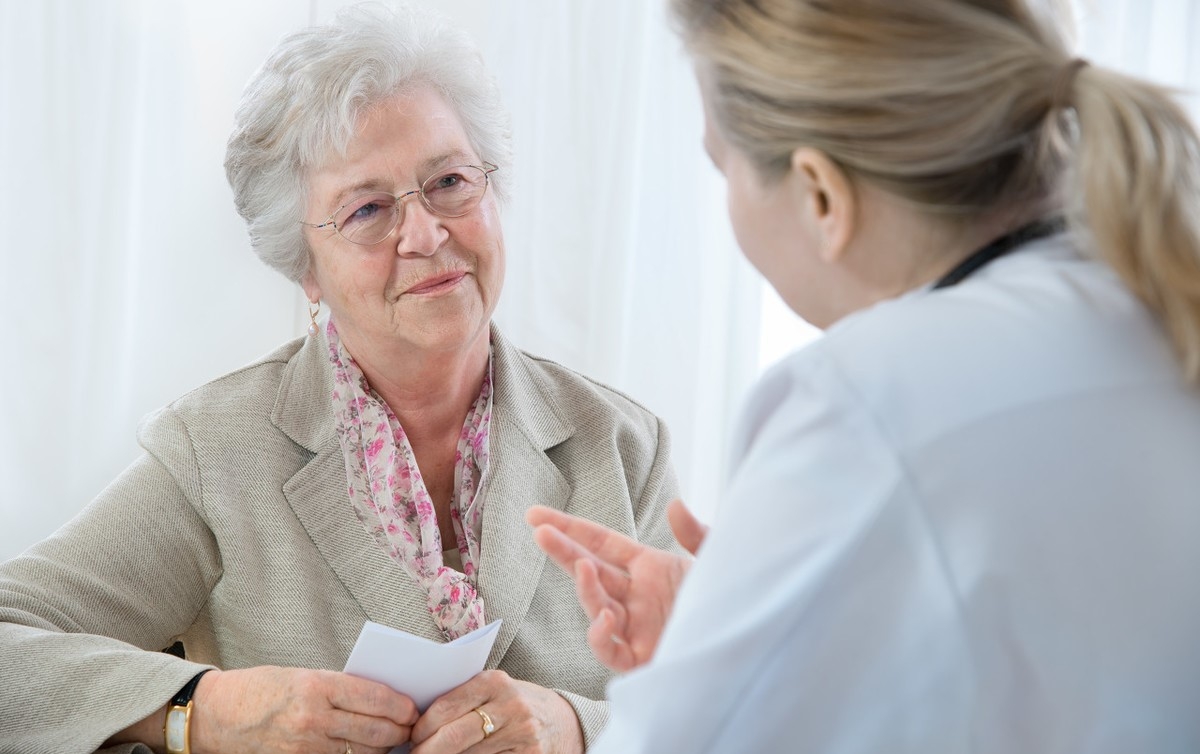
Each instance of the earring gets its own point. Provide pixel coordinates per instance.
(313, 311)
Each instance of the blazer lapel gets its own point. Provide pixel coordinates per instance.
(526, 422)
(317, 495)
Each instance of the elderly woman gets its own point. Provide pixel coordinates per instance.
(964, 520)
(378, 469)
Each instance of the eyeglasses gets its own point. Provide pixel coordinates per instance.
(367, 219)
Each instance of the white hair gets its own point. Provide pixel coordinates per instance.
(304, 104)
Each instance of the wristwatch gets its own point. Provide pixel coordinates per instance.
(177, 728)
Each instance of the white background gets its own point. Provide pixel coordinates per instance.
(127, 278)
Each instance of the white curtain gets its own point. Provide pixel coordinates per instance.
(128, 278)
(621, 261)
(1155, 39)
(126, 274)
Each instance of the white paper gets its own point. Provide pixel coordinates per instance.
(420, 669)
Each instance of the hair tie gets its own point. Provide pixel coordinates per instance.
(1064, 83)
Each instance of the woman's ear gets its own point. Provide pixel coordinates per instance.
(311, 290)
(828, 198)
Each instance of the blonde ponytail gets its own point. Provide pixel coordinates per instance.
(1135, 193)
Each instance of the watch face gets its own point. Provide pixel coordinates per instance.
(175, 730)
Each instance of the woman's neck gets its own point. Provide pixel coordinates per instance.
(899, 248)
(430, 393)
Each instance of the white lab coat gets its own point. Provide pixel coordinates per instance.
(966, 520)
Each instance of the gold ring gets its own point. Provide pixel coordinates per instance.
(488, 727)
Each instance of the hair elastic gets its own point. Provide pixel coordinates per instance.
(1064, 83)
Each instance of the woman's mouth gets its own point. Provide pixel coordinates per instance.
(437, 284)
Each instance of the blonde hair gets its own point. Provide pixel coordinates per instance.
(304, 105)
(966, 108)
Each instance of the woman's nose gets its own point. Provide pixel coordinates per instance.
(419, 232)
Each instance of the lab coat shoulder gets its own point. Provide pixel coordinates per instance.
(1046, 324)
(802, 578)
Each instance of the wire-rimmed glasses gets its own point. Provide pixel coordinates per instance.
(369, 218)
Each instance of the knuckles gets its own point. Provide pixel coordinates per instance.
(309, 684)
(306, 718)
(495, 679)
(382, 732)
(526, 729)
(457, 738)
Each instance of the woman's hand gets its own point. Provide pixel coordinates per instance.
(627, 589)
(526, 718)
(292, 710)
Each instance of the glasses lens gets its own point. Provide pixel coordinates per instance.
(455, 191)
(367, 219)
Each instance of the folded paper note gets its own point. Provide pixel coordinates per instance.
(419, 668)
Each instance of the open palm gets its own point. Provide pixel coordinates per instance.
(626, 588)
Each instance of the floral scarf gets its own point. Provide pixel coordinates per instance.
(390, 498)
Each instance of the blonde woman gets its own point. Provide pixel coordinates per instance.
(965, 520)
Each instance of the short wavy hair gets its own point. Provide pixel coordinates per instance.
(303, 105)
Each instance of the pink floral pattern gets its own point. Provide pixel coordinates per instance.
(390, 498)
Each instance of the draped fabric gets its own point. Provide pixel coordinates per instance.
(389, 495)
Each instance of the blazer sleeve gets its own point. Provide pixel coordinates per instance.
(83, 613)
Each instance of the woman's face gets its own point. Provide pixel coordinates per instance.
(433, 284)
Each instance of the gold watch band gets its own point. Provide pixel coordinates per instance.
(177, 727)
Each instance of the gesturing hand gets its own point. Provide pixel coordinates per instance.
(286, 710)
(525, 718)
(627, 589)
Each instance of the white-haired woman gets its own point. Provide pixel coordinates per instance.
(965, 520)
(378, 469)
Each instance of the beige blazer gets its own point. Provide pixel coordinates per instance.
(233, 533)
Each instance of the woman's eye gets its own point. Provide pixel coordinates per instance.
(445, 181)
(368, 210)
(364, 212)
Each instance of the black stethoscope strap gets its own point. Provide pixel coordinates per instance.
(998, 248)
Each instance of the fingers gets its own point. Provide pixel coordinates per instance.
(456, 704)
(368, 715)
(607, 644)
(452, 724)
(604, 543)
(465, 733)
(568, 554)
(294, 709)
(373, 699)
(366, 734)
(523, 717)
(538, 515)
(559, 547)
(350, 746)
(688, 530)
(592, 594)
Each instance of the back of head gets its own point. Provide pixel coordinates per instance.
(967, 109)
(302, 108)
